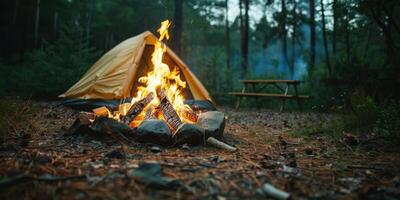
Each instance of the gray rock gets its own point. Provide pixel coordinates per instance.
(154, 131)
(151, 174)
(155, 149)
(200, 105)
(189, 134)
(213, 122)
(185, 147)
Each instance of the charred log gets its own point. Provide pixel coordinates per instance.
(101, 111)
(86, 118)
(190, 115)
(150, 113)
(171, 117)
(81, 124)
(137, 108)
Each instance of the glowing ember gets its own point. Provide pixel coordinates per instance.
(161, 78)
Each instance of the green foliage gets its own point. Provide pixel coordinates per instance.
(367, 117)
(332, 129)
(365, 110)
(388, 121)
(53, 68)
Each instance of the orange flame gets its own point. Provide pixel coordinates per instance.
(162, 77)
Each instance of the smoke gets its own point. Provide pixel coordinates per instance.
(270, 61)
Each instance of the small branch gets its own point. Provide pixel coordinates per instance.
(271, 191)
(216, 143)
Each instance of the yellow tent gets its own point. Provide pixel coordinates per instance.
(115, 75)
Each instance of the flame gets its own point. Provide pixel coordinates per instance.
(161, 77)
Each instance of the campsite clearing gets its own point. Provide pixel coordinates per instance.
(307, 166)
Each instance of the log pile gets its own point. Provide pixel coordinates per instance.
(153, 130)
(159, 125)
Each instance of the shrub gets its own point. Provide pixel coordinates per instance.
(388, 122)
(51, 69)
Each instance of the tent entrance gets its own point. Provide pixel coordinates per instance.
(145, 66)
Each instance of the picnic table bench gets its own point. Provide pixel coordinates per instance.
(256, 92)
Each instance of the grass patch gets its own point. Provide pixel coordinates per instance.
(332, 129)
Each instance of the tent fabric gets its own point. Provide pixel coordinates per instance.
(115, 73)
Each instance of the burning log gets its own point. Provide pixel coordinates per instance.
(190, 115)
(101, 111)
(168, 110)
(150, 113)
(221, 145)
(137, 108)
(157, 112)
(123, 108)
(81, 124)
(86, 118)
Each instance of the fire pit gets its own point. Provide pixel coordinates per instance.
(157, 112)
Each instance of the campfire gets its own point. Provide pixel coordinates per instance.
(157, 112)
(160, 95)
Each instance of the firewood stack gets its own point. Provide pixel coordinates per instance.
(159, 125)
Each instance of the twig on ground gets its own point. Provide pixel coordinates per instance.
(221, 145)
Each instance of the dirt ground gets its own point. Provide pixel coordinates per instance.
(41, 163)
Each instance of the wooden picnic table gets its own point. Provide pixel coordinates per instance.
(256, 92)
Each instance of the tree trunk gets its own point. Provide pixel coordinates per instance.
(366, 48)
(178, 26)
(15, 15)
(335, 21)
(347, 35)
(386, 30)
(11, 34)
(36, 33)
(293, 52)
(106, 42)
(392, 20)
(293, 61)
(55, 24)
(325, 39)
(89, 14)
(284, 56)
(294, 24)
(244, 34)
(312, 37)
(227, 45)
